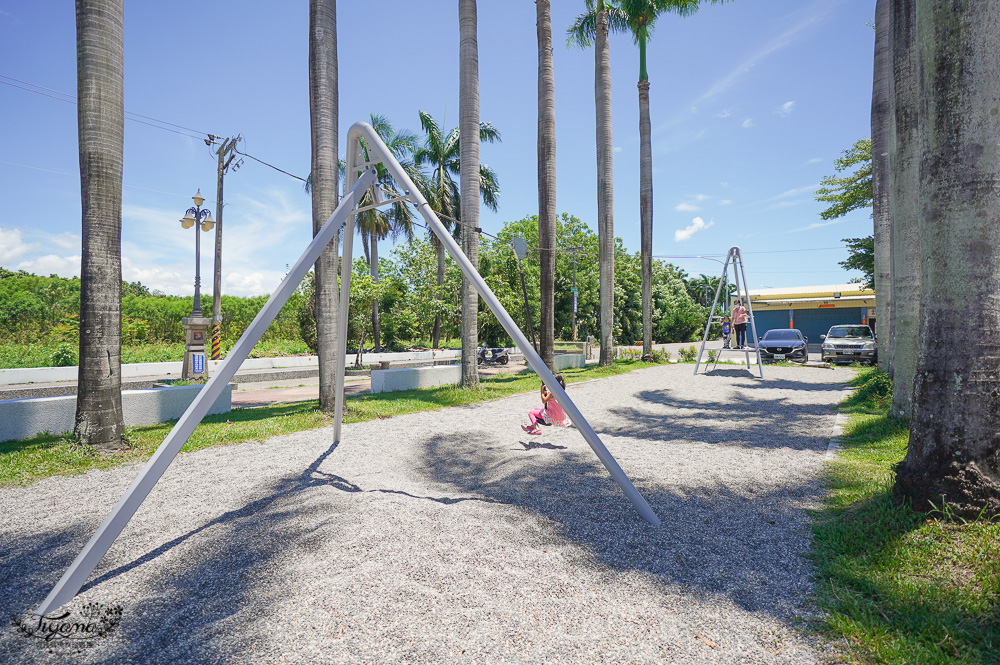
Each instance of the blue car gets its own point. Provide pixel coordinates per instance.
(783, 344)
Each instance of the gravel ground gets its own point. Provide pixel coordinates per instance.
(453, 537)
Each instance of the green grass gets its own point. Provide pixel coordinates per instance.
(898, 586)
(26, 461)
(39, 354)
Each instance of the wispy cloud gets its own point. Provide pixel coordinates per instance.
(697, 224)
(810, 17)
(785, 109)
(724, 113)
(617, 148)
(685, 206)
(787, 194)
(814, 160)
(817, 225)
(747, 123)
(725, 202)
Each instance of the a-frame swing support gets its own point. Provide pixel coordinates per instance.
(361, 175)
(734, 258)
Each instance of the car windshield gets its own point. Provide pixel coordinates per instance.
(850, 331)
(783, 335)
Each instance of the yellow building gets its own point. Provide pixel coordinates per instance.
(812, 309)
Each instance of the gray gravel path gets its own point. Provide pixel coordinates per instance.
(453, 537)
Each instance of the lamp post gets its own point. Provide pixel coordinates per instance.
(202, 217)
(196, 325)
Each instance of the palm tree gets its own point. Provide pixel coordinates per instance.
(605, 169)
(880, 183)
(442, 154)
(952, 455)
(395, 220)
(904, 205)
(324, 177)
(468, 124)
(638, 18)
(101, 119)
(546, 181)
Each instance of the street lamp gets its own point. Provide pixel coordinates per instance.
(203, 217)
(195, 326)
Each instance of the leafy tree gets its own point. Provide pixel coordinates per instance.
(861, 257)
(852, 190)
(442, 154)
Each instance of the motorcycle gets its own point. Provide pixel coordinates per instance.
(488, 356)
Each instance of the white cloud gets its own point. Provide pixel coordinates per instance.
(51, 264)
(747, 123)
(810, 16)
(788, 193)
(814, 160)
(724, 113)
(66, 240)
(700, 197)
(617, 148)
(684, 206)
(785, 109)
(817, 225)
(12, 246)
(697, 224)
(725, 202)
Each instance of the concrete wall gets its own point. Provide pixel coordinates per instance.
(567, 361)
(408, 378)
(23, 418)
(167, 369)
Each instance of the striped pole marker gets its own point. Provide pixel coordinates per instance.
(216, 341)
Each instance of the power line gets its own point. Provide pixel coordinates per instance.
(72, 99)
(256, 159)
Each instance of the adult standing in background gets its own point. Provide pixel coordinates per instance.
(740, 318)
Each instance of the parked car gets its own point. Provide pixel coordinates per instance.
(783, 344)
(849, 343)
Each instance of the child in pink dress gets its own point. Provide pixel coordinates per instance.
(549, 413)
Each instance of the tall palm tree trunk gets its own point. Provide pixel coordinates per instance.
(881, 128)
(468, 124)
(376, 335)
(323, 122)
(546, 181)
(954, 448)
(903, 200)
(101, 120)
(605, 186)
(646, 212)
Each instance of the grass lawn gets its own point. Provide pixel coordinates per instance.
(899, 586)
(23, 462)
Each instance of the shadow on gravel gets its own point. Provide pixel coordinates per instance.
(711, 541)
(206, 590)
(763, 422)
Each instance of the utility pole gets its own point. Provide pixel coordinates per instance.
(574, 250)
(226, 154)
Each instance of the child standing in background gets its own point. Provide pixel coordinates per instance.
(727, 330)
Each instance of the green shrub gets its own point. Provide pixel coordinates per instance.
(65, 355)
(689, 354)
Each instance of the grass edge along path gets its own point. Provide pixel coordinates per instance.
(897, 586)
(29, 460)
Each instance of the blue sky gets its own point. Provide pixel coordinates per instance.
(750, 102)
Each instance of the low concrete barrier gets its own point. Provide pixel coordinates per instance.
(408, 378)
(567, 361)
(23, 418)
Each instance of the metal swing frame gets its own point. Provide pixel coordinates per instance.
(734, 257)
(361, 174)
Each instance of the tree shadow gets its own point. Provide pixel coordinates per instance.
(713, 540)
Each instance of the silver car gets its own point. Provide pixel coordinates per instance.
(854, 343)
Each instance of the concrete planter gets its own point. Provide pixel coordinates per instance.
(408, 378)
(23, 418)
